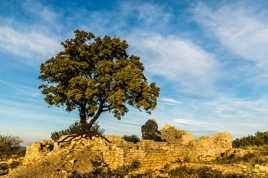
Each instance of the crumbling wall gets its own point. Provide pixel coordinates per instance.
(149, 153)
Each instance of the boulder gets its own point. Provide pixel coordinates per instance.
(150, 131)
(172, 135)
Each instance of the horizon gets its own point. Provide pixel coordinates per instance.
(209, 60)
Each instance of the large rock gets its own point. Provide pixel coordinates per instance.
(37, 150)
(172, 135)
(208, 148)
(150, 131)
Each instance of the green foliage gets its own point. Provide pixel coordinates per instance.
(132, 138)
(75, 128)
(95, 75)
(259, 139)
(9, 145)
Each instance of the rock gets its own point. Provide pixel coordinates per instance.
(261, 168)
(150, 131)
(82, 155)
(172, 135)
(38, 149)
(209, 147)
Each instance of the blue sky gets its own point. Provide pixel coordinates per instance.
(209, 59)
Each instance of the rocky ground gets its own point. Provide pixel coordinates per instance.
(166, 153)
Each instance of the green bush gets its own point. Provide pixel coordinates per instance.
(131, 138)
(75, 128)
(259, 139)
(9, 145)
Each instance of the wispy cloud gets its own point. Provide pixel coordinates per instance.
(27, 44)
(147, 14)
(192, 68)
(127, 17)
(244, 31)
(21, 90)
(42, 11)
(240, 109)
(170, 101)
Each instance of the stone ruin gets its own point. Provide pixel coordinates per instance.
(168, 134)
(150, 131)
(156, 149)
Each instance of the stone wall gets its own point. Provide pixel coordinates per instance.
(150, 154)
(156, 149)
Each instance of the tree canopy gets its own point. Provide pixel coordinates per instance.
(95, 75)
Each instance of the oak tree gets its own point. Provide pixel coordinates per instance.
(95, 75)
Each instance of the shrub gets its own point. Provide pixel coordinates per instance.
(3, 166)
(135, 164)
(259, 139)
(75, 128)
(202, 172)
(132, 138)
(14, 164)
(9, 145)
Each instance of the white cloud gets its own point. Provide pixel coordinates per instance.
(147, 13)
(170, 101)
(40, 10)
(189, 122)
(125, 19)
(242, 28)
(177, 59)
(28, 44)
(240, 109)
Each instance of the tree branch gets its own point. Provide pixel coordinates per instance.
(97, 115)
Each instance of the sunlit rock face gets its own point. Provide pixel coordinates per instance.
(209, 147)
(82, 155)
(172, 135)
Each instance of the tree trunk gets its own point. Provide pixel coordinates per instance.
(83, 119)
(92, 121)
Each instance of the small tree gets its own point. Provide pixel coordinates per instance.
(9, 145)
(96, 75)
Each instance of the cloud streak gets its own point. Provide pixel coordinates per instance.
(170, 101)
(27, 44)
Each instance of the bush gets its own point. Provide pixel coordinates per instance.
(75, 128)
(9, 146)
(202, 172)
(259, 139)
(132, 138)
(14, 164)
(3, 166)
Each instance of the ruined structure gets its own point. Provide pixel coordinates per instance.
(82, 155)
(172, 135)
